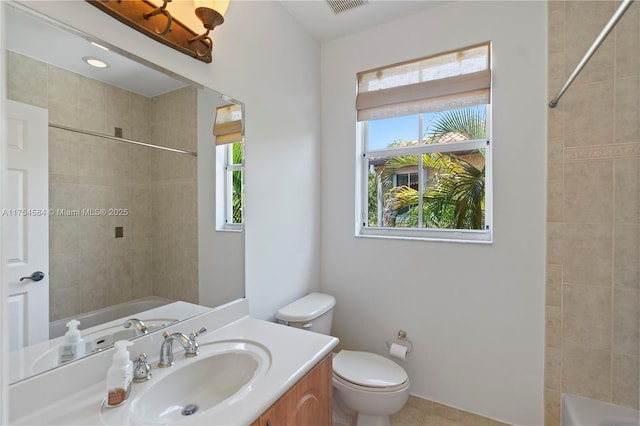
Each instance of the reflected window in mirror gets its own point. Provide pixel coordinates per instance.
(228, 130)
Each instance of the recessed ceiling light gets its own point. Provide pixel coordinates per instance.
(99, 45)
(94, 62)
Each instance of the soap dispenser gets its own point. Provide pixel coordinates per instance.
(73, 346)
(119, 375)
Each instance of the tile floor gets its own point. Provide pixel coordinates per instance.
(422, 412)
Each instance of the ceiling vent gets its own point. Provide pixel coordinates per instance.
(339, 6)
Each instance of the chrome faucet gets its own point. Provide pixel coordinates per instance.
(189, 344)
(141, 369)
(141, 327)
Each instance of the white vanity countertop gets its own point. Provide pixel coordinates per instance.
(293, 353)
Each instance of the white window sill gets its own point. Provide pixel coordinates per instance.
(473, 237)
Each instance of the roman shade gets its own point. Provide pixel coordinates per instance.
(446, 81)
(227, 127)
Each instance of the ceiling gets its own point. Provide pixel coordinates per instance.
(323, 25)
(25, 33)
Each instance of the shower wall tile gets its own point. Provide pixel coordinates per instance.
(556, 31)
(628, 43)
(555, 159)
(626, 321)
(554, 200)
(586, 372)
(553, 327)
(586, 316)
(627, 190)
(63, 86)
(554, 243)
(553, 368)
(627, 110)
(28, 87)
(625, 380)
(589, 114)
(553, 291)
(588, 254)
(593, 249)
(626, 272)
(584, 21)
(588, 191)
(92, 94)
(552, 407)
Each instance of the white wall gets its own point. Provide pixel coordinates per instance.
(262, 58)
(474, 312)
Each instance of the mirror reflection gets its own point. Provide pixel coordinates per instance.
(122, 216)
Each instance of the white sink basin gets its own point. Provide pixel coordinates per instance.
(195, 386)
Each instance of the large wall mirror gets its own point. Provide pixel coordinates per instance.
(115, 225)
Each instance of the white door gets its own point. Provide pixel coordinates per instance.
(26, 223)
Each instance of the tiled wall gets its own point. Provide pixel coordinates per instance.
(89, 267)
(175, 196)
(593, 209)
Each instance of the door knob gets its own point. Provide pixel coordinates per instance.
(36, 276)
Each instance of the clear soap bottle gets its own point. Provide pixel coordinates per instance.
(119, 375)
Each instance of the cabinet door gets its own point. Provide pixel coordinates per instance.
(307, 403)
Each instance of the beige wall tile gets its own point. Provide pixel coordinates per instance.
(554, 243)
(556, 121)
(584, 21)
(589, 114)
(627, 109)
(625, 380)
(586, 372)
(627, 40)
(63, 153)
(553, 369)
(63, 114)
(553, 291)
(63, 235)
(627, 190)
(65, 302)
(63, 86)
(553, 329)
(556, 31)
(626, 321)
(555, 159)
(626, 255)
(552, 407)
(92, 95)
(588, 191)
(588, 254)
(586, 316)
(554, 200)
(27, 87)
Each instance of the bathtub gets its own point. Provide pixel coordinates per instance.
(110, 313)
(579, 411)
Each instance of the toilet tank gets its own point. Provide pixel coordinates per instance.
(313, 312)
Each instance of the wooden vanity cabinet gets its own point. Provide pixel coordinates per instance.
(307, 403)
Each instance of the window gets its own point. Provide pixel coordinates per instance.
(423, 133)
(230, 167)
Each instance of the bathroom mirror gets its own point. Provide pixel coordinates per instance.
(125, 220)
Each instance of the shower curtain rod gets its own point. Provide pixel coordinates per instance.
(115, 138)
(598, 41)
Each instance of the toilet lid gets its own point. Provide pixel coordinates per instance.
(368, 369)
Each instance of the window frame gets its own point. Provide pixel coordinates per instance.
(224, 213)
(428, 234)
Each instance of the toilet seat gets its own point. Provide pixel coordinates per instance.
(368, 371)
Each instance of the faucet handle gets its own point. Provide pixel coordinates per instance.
(141, 369)
(197, 333)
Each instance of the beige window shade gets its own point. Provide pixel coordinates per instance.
(447, 81)
(227, 127)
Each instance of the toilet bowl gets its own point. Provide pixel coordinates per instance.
(366, 386)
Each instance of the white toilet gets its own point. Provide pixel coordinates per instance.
(365, 384)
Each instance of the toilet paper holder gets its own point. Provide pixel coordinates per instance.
(402, 340)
